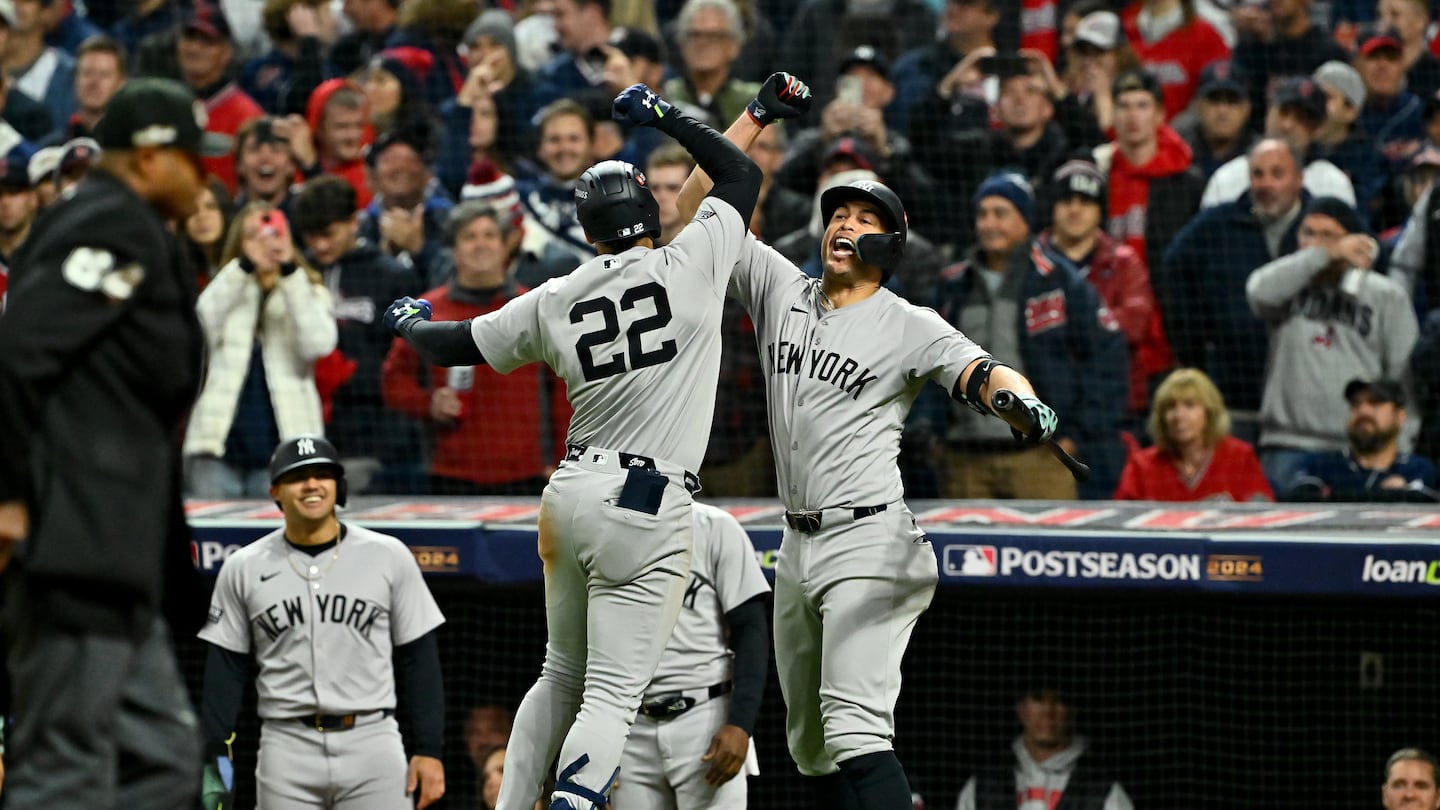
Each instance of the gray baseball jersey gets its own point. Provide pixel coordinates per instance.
(839, 382)
(724, 574)
(322, 628)
(634, 337)
(663, 766)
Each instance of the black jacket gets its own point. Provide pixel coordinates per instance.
(1085, 790)
(362, 284)
(100, 359)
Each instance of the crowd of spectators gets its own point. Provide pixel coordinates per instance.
(1198, 225)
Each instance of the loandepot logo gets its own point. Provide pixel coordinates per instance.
(1403, 571)
(1006, 561)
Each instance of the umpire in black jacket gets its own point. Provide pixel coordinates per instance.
(100, 358)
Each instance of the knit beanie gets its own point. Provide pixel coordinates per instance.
(1012, 186)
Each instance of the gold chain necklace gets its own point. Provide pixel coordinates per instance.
(312, 573)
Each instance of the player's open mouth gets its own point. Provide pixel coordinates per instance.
(842, 248)
(266, 171)
(312, 499)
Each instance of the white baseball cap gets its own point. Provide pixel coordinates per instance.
(44, 162)
(1098, 28)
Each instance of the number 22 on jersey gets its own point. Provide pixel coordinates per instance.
(602, 317)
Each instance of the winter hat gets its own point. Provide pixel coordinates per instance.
(1012, 186)
(1080, 178)
(487, 183)
(496, 24)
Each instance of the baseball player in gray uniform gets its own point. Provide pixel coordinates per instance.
(331, 612)
(844, 360)
(634, 333)
(693, 733)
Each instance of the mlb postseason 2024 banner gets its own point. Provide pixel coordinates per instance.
(1236, 548)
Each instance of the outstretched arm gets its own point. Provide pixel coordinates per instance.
(442, 343)
(1034, 421)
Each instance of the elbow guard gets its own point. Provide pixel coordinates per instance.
(971, 396)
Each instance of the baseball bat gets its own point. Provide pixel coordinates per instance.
(1005, 401)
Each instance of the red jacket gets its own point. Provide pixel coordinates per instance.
(1177, 59)
(500, 436)
(1234, 474)
(1118, 273)
(1128, 202)
(226, 111)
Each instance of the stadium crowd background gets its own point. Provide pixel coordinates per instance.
(431, 146)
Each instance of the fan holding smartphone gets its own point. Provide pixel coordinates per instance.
(266, 316)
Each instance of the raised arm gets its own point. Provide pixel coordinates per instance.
(782, 96)
(737, 178)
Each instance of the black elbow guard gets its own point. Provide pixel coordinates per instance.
(971, 396)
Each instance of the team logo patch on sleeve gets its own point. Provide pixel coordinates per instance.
(1045, 312)
(215, 613)
(93, 270)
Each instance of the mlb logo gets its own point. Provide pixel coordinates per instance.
(971, 561)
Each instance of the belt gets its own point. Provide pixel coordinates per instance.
(335, 722)
(673, 704)
(813, 521)
(628, 461)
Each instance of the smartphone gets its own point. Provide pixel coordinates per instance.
(850, 89)
(273, 223)
(1004, 65)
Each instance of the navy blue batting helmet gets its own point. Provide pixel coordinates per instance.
(613, 203)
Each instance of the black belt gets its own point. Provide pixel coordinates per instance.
(333, 722)
(813, 521)
(674, 704)
(573, 452)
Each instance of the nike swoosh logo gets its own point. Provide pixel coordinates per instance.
(268, 577)
(797, 309)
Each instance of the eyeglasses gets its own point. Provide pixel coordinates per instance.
(711, 37)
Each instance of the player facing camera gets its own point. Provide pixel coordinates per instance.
(307, 478)
(866, 221)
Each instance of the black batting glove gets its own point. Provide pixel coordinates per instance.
(782, 96)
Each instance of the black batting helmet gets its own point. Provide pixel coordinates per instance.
(882, 250)
(308, 451)
(612, 203)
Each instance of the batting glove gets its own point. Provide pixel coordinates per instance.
(782, 96)
(1042, 419)
(218, 783)
(639, 105)
(406, 309)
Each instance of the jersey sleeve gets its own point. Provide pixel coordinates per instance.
(935, 350)
(711, 242)
(509, 337)
(413, 611)
(228, 624)
(91, 289)
(738, 577)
